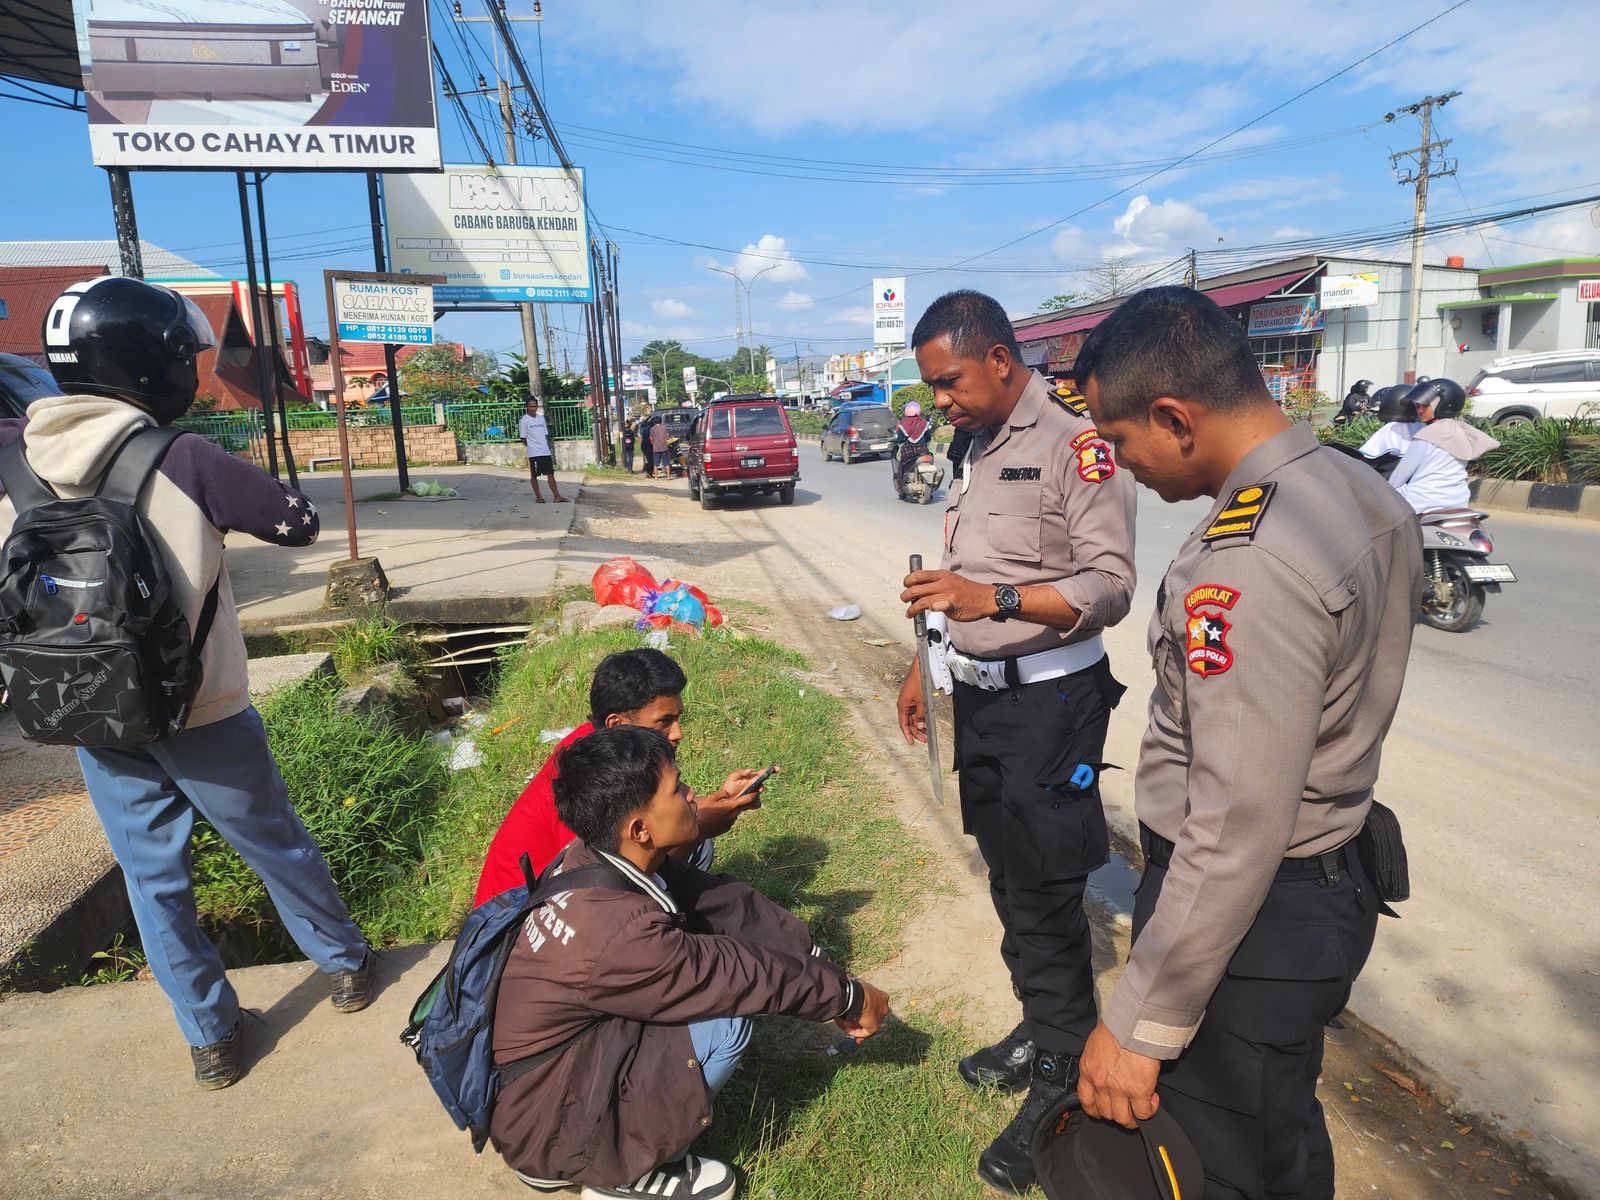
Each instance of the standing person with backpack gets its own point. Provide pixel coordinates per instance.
(111, 560)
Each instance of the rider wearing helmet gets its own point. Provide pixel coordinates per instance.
(126, 353)
(1400, 422)
(910, 440)
(1432, 474)
(1356, 402)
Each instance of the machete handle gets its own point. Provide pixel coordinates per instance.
(920, 621)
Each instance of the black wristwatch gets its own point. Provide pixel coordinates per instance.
(1008, 600)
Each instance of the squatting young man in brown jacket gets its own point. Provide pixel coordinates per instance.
(649, 984)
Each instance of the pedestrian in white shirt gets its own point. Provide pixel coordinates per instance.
(535, 431)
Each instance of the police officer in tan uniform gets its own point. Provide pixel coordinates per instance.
(1280, 640)
(1038, 560)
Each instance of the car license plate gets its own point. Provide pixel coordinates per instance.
(1490, 573)
(880, 445)
(752, 462)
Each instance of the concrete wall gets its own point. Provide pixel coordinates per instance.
(373, 446)
(571, 454)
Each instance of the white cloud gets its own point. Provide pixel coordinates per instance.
(1290, 231)
(1145, 227)
(769, 259)
(794, 299)
(854, 315)
(671, 308)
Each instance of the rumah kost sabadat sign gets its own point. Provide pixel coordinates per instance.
(497, 234)
(263, 84)
(396, 314)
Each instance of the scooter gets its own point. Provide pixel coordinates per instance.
(1457, 576)
(919, 480)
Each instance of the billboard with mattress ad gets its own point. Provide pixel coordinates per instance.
(259, 84)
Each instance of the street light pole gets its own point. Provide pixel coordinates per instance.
(749, 308)
(750, 311)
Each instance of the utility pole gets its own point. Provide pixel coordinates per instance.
(1191, 274)
(549, 336)
(1419, 177)
(508, 121)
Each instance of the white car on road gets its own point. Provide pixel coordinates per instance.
(1562, 383)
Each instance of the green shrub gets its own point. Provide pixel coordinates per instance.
(372, 641)
(1553, 450)
(367, 796)
(808, 424)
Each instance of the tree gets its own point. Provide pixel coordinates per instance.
(447, 373)
(1116, 276)
(1059, 301)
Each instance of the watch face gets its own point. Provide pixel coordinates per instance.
(1008, 598)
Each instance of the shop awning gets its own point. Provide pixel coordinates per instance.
(1497, 301)
(1235, 293)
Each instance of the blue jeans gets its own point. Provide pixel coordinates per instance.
(719, 1044)
(147, 798)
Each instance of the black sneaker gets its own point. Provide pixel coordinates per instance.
(352, 990)
(217, 1065)
(1007, 1164)
(1008, 1064)
(689, 1178)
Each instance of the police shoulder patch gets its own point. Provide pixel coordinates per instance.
(1094, 461)
(1241, 515)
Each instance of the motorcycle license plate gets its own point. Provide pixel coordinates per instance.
(752, 462)
(1490, 573)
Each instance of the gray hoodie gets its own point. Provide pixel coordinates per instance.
(199, 493)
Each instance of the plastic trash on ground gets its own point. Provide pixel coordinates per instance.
(846, 612)
(554, 735)
(623, 581)
(671, 604)
(465, 756)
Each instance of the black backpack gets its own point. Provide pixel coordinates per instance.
(94, 650)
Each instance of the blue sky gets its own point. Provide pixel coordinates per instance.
(956, 102)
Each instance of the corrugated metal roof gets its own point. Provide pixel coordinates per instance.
(98, 253)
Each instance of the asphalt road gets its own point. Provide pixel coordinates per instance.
(1492, 977)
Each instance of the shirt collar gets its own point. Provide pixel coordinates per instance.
(1030, 406)
(646, 883)
(1295, 442)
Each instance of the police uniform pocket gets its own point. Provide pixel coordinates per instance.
(1015, 519)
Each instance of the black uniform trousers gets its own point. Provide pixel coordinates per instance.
(1245, 1089)
(1040, 835)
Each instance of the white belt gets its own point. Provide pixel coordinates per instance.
(990, 673)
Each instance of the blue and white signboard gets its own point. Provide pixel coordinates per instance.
(396, 314)
(497, 234)
(1280, 318)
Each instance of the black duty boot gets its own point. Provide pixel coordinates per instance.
(1007, 1164)
(216, 1065)
(1008, 1064)
(352, 990)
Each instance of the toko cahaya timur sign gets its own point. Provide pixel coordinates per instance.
(497, 234)
(265, 84)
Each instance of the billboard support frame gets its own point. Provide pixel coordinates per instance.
(380, 263)
(272, 321)
(122, 213)
(262, 380)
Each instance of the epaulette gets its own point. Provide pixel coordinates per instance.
(1070, 400)
(1241, 515)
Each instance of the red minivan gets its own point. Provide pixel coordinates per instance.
(742, 444)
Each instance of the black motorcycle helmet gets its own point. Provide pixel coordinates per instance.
(1446, 397)
(1361, 387)
(129, 340)
(1393, 405)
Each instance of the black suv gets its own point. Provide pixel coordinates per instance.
(23, 381)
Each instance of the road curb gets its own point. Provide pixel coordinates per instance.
(1513, 495)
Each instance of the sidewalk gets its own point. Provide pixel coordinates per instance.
(481, 557)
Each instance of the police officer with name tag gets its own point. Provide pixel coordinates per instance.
(1279, 640)
(1038, 559)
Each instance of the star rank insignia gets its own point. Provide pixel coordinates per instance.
(1206, 646)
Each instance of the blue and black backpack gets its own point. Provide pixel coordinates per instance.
(452, 1023)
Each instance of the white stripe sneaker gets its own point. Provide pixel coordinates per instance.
(689, 1178)
(541, 1185)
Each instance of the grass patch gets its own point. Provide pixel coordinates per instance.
(823, 844)
(379, 497)
(366, 795)
(891, 1120)
(374, 641)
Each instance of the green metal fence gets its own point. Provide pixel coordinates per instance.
(489, 422)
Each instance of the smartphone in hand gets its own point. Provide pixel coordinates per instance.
(756, 783)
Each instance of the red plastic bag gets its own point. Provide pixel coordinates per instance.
(714, 616)
(622, 581)
(668, 585)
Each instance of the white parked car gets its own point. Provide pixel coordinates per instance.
(1562, 383)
